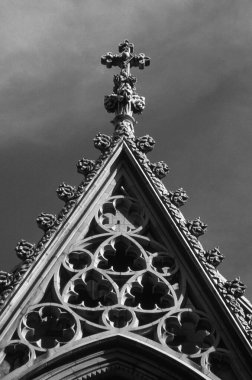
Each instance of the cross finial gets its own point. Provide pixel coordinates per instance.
(126, 58)
(126, 45)
(124, 101)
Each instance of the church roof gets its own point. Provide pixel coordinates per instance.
(123, 163)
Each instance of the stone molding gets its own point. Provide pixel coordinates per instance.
(102, 283)
(28, 252)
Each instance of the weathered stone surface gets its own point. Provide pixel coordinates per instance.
(117, 268)
(145, 143)
(102, 142)
(46, 221)
(66, 192)
(85, 166)
(179, 197)
(160, 169)
(24, 249)
(124, 100)
(196, 227)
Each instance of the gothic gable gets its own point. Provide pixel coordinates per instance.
(121, 265)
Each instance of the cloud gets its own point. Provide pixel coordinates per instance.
(198, 91)
(49, 61)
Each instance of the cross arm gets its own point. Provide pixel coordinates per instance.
(110, 59)
(140, 61)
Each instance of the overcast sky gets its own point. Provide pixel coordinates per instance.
(198, 92)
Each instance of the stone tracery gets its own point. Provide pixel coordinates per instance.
(121, 214)
(119, 279)
(119, 268)
(47, 326)
(14, 355)
(188, 332)
(111, 274)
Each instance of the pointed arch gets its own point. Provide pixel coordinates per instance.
(106, 355)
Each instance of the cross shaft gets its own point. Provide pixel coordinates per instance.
(126, 58)
(124, 101)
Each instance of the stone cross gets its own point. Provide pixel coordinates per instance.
(126, 58)
(124, 101)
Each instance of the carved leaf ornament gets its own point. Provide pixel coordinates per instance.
(118, 276)
(115, 274)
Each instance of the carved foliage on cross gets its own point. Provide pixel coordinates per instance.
(124, 100)
(117, 276)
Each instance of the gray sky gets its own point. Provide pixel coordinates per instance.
(198, 91)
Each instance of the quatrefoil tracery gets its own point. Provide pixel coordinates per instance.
(118, 278)
(188, 332)
(48, 326)
(131, 274)
(121, 278)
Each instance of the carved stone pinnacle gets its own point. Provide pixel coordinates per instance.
(124, 101)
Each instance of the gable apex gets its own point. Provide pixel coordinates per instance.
(121, 262)
(126, 170)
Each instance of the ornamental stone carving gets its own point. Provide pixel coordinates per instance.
(121, 255)
(48, 326)
(110, 103)
(126, 46)
(160, 169)
(145, 143)
(188, 332)
(122, 214)
(214, 256)
(124, 100)
(102, 142)
(14, 355)
(115, 272)
(118, 317)
(24, 249)
(138, 103)
(118, 275)
(108, 60)
(91, 290)
(123, 127)
(85, 166)
(196, 227)
(76, 260)
(46, 221)
(66, 192)
(179, 197)
(5, 279)
(231, 292)
(125, 57)
(235, 287)
(120, 80)
(137, 293)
